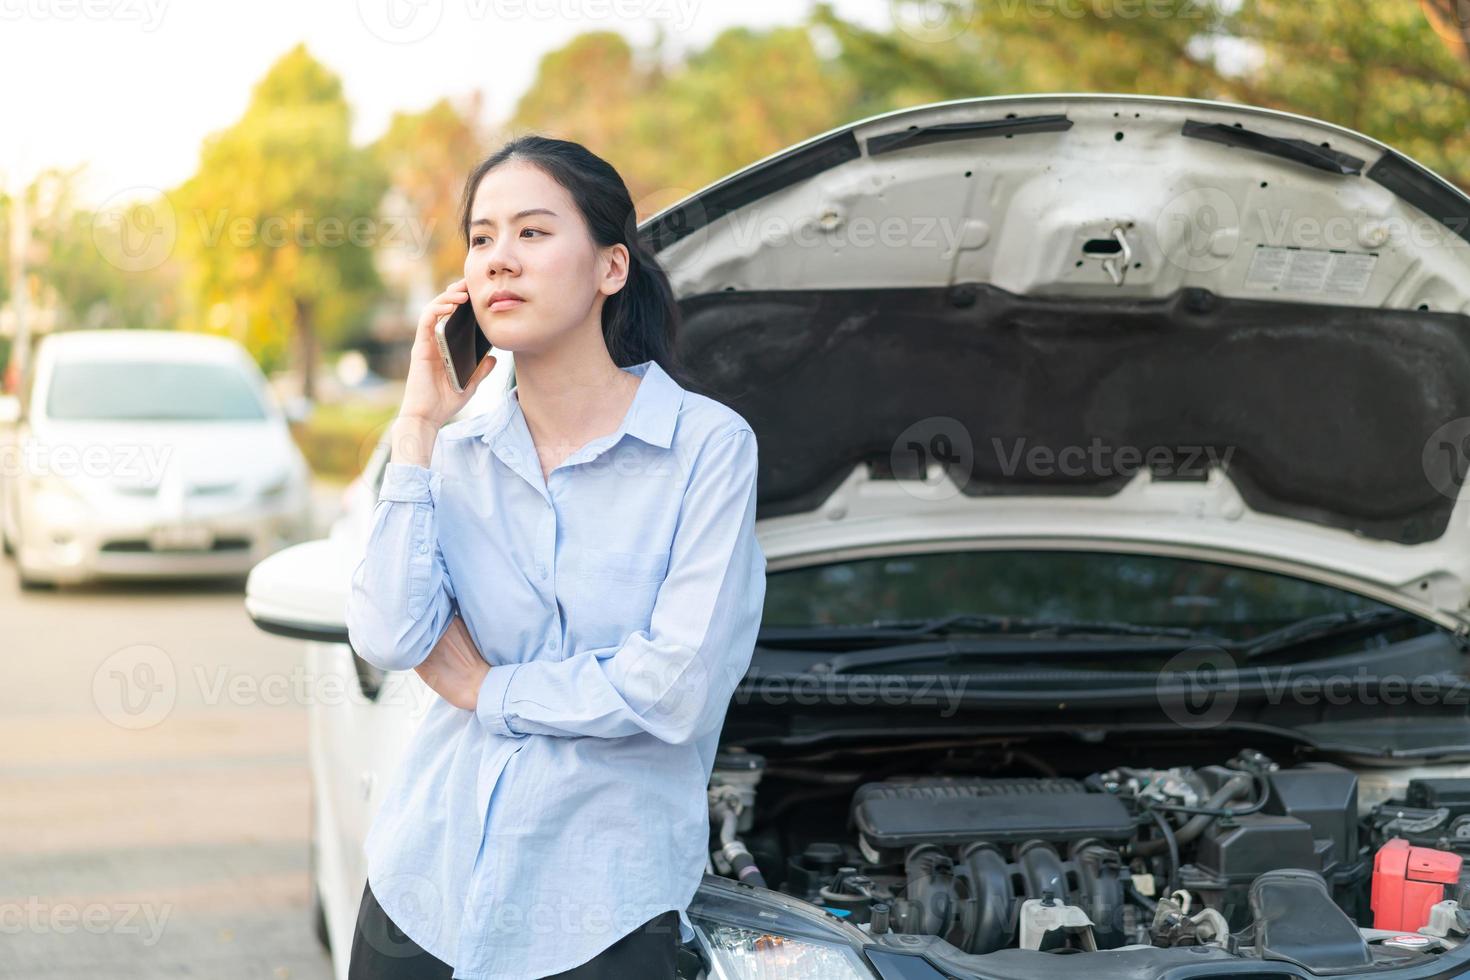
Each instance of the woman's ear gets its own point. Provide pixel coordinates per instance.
(615, 273)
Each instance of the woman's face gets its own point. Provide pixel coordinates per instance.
(527, 237)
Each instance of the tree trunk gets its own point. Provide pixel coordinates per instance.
(306, 352)
(1451, 21)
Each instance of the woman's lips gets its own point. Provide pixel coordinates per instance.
(501, 305)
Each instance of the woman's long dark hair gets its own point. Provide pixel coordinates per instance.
(641, 321)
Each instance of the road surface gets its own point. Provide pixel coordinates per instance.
(153, 787)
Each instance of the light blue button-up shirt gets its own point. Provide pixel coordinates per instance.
(617, 602)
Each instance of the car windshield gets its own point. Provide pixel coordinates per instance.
(1234, 604)
(134, 390)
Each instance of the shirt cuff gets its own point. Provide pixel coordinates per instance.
(490, 708)
(410, 483)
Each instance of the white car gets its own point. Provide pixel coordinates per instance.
(1112, 455)
(144, 454)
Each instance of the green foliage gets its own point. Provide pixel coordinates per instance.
(278, 224)
(278, 230)
(427, 156)
(671, 130)
(338, 439)
(1382, 67)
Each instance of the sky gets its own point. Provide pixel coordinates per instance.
(132, 87)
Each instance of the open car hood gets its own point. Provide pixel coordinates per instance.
(1124, 322)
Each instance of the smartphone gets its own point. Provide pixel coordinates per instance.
(462, 345)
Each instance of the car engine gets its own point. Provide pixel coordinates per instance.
(1242, 855)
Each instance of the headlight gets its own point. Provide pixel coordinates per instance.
(274, 488)
(743, 953)
(56, 487)
(286, 482)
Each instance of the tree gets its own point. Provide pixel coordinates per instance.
(1451, 20)
(587, 91)
(279, 224)
(747, 95)
(427, 157)
(1388, 68)
(90, 271)
(671, 129)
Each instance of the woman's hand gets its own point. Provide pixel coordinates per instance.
(454, 669)
(428, 394)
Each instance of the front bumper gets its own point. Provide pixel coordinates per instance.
(915, 957)
(73, 543)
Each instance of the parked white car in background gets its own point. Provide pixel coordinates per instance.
(147, 453)
(1097, 433)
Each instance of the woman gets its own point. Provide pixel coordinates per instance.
(576, 575)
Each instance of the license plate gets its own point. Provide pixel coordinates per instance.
(181, 537)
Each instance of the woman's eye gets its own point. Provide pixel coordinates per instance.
(536, 230)
(478, 239)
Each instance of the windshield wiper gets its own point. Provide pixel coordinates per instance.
(1338, 625)
(898, 631)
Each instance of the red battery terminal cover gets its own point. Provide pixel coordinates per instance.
(1408, 881)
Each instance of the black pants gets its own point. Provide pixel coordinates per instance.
(381, 951)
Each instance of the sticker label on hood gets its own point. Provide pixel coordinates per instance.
(1324, 271)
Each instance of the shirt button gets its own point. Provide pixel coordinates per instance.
(423, 549)
(553, 643)
(541, 571)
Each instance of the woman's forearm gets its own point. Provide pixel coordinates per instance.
(454, 669)
(401, 597)
(412, 440)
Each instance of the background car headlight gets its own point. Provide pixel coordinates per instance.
(743, 953)
(56, 491)
(275, 488)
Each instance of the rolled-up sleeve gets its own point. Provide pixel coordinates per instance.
(674, 679)
(401, 599)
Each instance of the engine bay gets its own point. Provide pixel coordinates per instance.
(994, 848)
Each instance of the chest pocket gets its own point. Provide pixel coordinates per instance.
(609, 594)
(616, 568)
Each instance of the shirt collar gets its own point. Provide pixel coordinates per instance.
(651, 417)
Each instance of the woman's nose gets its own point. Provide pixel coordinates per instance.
(501, 258)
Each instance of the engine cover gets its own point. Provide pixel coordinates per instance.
(901, 813)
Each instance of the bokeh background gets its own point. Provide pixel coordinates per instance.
(287, 174)
(314, 244)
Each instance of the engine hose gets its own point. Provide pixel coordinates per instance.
(1261, 797)
(1232, 788)
(1148, 903)
(741, 862)
(1171, 843)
